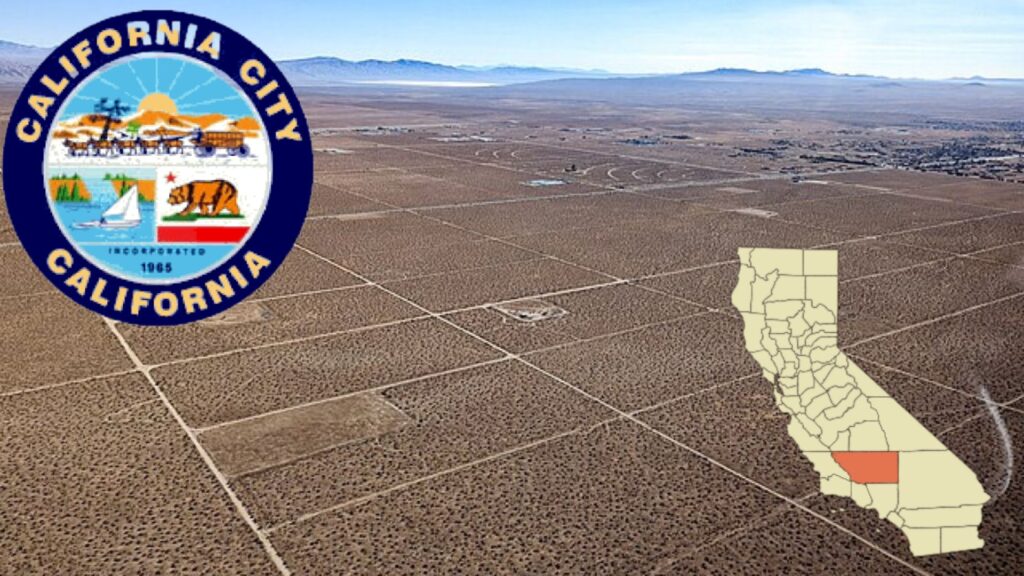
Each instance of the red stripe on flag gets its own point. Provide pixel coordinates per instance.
(201, 234)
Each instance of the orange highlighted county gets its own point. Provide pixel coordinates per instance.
(870, 467)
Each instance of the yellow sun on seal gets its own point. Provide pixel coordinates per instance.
(158, 102)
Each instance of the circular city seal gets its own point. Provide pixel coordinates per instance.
(157, 167)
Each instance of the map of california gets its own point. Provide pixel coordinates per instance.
(864, 445)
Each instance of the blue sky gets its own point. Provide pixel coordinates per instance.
(926, 39)
(194, 88)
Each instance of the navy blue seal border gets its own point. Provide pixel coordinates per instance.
(273, 98)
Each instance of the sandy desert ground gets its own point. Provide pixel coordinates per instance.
(459, 372)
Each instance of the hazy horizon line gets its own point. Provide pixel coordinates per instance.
(603, 71)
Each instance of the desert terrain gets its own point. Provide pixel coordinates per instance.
(504, 343)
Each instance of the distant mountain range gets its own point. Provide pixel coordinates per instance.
(744, 73)
(326, 71)
(18, 61)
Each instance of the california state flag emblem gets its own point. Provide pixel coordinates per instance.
(208, 205)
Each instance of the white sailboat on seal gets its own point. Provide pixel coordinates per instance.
(122, 214)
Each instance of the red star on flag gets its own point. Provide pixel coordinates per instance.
(171, 177)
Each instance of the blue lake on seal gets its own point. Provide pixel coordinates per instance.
(103, 197)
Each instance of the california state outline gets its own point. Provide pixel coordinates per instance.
(862, 443)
